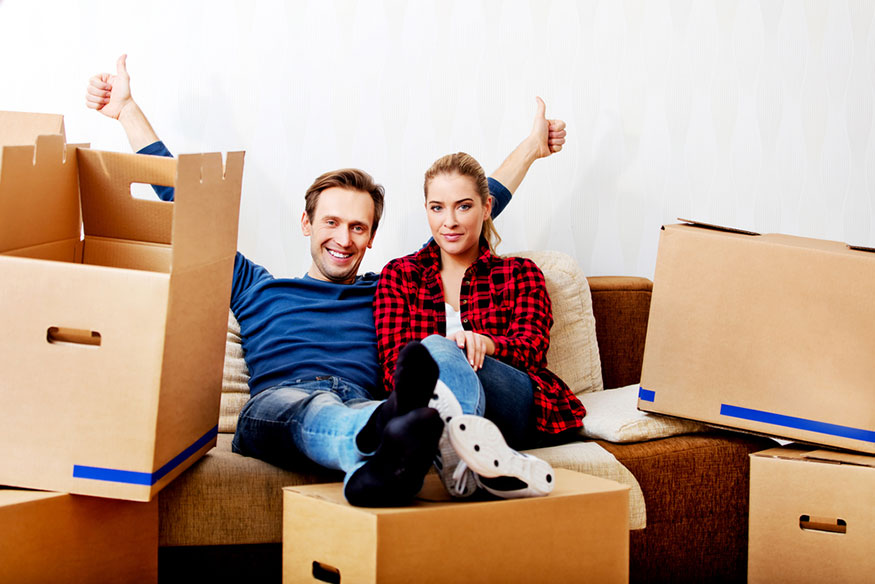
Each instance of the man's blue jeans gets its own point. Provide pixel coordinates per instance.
(319, 418)
(497, 391)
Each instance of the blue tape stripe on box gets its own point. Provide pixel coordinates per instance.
(142, 478)
(799, 423)
(646, 394)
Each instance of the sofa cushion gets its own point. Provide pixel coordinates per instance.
(613, 415)
(235, 378)
(574, 350)
(573, 354)
(225, 498)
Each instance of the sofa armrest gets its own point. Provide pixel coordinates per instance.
(621, 305)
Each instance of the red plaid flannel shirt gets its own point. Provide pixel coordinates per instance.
(503, 298)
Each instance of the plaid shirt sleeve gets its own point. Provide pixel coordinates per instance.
(392, 318)
(515, 311)
(525, 338)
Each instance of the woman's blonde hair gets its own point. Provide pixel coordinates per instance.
(466, 165)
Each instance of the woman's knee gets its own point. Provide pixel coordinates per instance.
(439, 344)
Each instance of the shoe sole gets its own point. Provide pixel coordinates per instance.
(480, 444)
(445, 402)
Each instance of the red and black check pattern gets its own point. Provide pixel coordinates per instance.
(503, 298)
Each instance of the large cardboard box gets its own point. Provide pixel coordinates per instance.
(113, 311)
(580, 532)
(55, 537)
(812, 516)
(768, 333)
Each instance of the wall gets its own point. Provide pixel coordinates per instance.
(756, 114)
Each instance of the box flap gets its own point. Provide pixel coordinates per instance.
(717, 227)
(10, 496)
(201, 223)
(206, 208)
(805, 453)
(21, 129)
(39, 194)
(841, 457)
(861, 248)
(108, 207)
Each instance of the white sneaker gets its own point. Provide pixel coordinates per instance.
(457, 479)
(498, 468)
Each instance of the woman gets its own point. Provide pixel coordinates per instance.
(485, 319)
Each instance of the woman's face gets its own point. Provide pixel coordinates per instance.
(456, 214)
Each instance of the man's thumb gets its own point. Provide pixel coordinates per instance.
(120, 66)
(542, 108)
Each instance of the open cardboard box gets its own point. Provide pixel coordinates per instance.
(812, 516)
(766, 333)
(56, 537)
(114, 311)
(441, 540)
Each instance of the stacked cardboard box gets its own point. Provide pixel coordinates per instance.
(114, 312)
(56, 537)
(770, 334)
(812, 516)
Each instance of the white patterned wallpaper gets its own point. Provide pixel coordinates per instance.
(752, 113)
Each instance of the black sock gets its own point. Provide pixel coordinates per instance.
(416, 374)
(394, 474)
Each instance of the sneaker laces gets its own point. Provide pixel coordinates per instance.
(461, 476)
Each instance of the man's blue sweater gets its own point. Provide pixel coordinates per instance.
(303, 328)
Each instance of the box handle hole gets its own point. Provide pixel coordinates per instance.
(58, 334)
(809, 523)
(326, 573)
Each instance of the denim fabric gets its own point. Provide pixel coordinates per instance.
(319, 418)
(457, 374)
(498, 391)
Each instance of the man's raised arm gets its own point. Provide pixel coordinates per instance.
(111, 96)
(546, 138)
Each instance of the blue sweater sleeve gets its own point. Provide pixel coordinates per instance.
(246, 274)
(159, 149)
(500, 195)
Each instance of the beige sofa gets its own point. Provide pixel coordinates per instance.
(221, 520)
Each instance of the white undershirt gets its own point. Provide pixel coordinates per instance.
(454, 320)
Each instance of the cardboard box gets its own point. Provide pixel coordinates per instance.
(580, 531)
(767, 333)
(55, 537)
(812, 516)
(114, 317)
(22, 129)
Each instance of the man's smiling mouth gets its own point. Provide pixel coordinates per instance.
(339, 255)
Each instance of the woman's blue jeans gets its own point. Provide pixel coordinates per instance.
(497, 391)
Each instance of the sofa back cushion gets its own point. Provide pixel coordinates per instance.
(573, 354)
(574, 350)
(235, 378)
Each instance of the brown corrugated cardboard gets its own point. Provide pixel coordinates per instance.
(22, 129)
(111, 357)
(811, 519)
(522, 540)
(54, 537)
(766, 333)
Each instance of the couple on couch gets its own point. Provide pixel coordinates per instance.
(461, 333)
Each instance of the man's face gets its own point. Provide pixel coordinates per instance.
(339, 233)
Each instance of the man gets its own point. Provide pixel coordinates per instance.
(310, 343)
